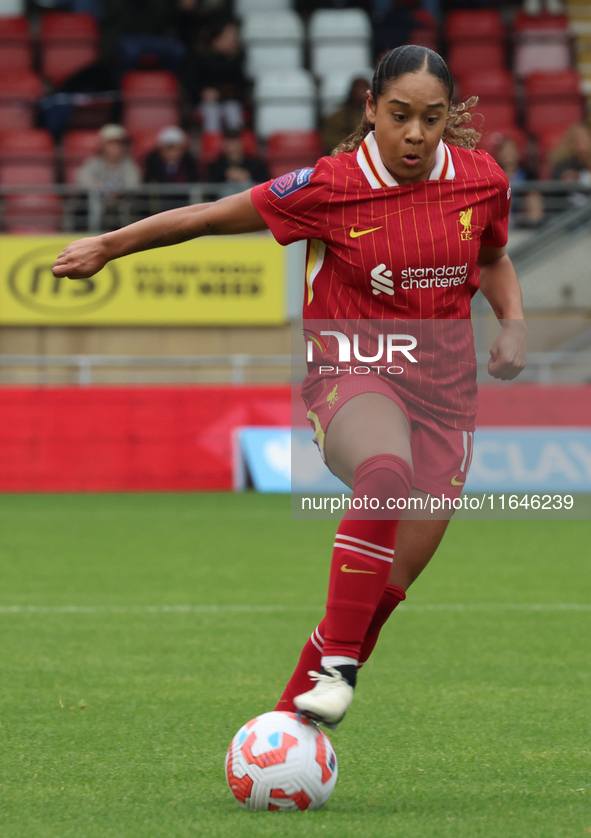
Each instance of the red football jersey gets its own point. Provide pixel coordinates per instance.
(378, 250)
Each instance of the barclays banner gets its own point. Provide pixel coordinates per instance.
(507, 460)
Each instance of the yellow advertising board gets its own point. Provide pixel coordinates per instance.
(237, 280)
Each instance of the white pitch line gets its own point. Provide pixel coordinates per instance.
(265, 609)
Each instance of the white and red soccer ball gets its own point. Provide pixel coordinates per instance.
(281, 761)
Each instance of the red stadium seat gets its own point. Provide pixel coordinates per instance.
(497, 116)
(27, 157)
(16, 52)
(150, 100)
(423, 38)
(69, 42)
(490, 85)
(552, 99)
(33, 214)
(77, 147)
(19, 93)
(464, 56)
(542, 43)
(149, 84)
(523, 22)
(210, 147)
(474, 24)
(291, 150)
(250, 142)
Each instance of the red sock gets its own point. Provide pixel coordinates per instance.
(391, 598)
(363, 554)
(300, 682)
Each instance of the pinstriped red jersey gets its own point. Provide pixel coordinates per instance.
(379, 250)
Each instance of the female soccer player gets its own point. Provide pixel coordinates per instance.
(404, 223)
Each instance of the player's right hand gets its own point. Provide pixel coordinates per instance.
(81, 259)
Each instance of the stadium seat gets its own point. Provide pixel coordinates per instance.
(264, 59)
(27, 157)
(496, 94)
(497, 116)
(474, 24)
(464, 56)
(542, 43)
(16, 52)
(242, 8)
(33, 214)
(273, 40)
(552, 99)
(340, 26)
(69, 41)
(332, 58)
(150, 100)
(492, 84)
(284, 102)
(339, 39)
(335, 88)
(423, 38)
(77, 146)
(278, 27)
(291, 150)
(19, 93)
(10, 8)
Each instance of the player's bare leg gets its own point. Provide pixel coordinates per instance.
(367, 445)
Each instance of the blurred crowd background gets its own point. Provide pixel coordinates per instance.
(129, 101)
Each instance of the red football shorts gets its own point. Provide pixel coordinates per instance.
(441, 455)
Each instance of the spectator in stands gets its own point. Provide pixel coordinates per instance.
(531, 209)
(233, 166)
(345, 119)
(572, 156)
(214, 79)
(113, 173)
(170, 162)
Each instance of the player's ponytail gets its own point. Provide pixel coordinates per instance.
(412, 59)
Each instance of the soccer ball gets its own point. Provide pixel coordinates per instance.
(281, 761)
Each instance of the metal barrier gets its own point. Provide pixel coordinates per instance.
(86, 365)
(83, 211)
(560, 367)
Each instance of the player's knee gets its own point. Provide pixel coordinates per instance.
(384, 478)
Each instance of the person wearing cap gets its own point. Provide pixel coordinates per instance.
(171, 162)
(112, 172)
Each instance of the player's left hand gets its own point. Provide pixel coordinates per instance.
(507, 354)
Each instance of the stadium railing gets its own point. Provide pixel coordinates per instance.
(94, 211)
(563, 366)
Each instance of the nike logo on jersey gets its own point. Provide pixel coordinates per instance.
(381, 280)
(356, 233)
(346, 569)
(455, 482)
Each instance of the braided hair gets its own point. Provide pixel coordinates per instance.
(412, 59)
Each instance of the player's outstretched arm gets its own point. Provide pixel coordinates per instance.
(500, 286)
(235, 214)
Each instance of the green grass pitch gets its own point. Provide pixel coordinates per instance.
(472, 719)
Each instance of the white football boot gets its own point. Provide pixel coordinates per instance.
(328, 701)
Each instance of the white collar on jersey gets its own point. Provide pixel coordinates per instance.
(378, 176)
